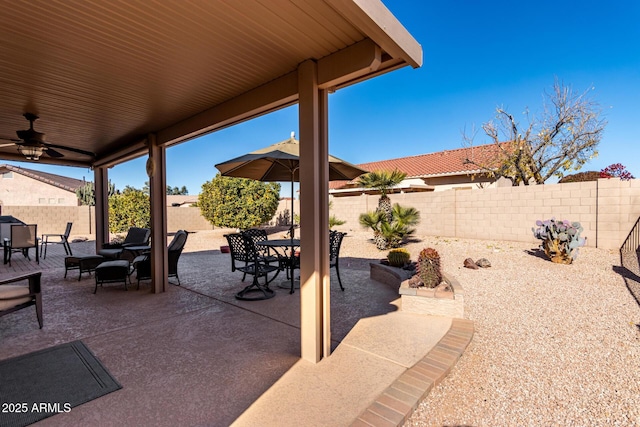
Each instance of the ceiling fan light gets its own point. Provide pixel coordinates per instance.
(30, 152)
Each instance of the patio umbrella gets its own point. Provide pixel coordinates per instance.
(280, 162)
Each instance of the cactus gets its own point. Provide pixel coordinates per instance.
(560, 239)
(398, 257)
(86, 194)
(428, 268)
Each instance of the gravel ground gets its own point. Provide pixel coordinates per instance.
(555, 345)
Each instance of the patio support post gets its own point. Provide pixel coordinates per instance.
(101, 189)
(156, 170)
(314, 216)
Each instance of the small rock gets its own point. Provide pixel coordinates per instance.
(414, 282)
(483, 262)
(444, 286)
(470, 264)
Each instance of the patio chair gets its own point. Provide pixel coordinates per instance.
(23, 237)
(335, 242)
(142, 263)
(258, 235)
(243, 250)
(64, 241)
(135, 237)
(14, 297)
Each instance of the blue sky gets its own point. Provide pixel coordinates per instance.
(477, 56)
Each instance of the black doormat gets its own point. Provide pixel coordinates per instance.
(38, 385)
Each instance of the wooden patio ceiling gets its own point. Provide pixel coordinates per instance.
(102, 75)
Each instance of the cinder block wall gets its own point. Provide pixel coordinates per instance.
(187, 218)
(53, 219)
(607, 209)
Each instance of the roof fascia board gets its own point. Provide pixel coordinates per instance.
(457, 173)
(373, 19)
(354, 62)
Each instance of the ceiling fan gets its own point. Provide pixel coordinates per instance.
(32, 145)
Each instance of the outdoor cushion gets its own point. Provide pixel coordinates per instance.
(112, 271)
(10, 291)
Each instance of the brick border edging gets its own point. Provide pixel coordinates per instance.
(396, 404)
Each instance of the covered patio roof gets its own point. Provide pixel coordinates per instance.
(121, 80)
(103, 75)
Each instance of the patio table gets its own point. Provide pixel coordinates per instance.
(280, 247)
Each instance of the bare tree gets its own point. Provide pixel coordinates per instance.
(563, 138)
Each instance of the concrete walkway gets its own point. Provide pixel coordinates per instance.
(197, 356)
(376, 377)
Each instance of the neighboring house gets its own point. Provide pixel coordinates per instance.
(182, 201)
(27, 187)
(431, 172)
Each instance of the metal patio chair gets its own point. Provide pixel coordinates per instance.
(135, 237)
(243, 250)
(142, 263)
(23, 237)
(16, 296)
(64, 241)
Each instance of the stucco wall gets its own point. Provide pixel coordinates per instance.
(20, 190)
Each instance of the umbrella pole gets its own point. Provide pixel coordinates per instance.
(293, 252)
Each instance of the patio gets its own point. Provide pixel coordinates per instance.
(205, 355)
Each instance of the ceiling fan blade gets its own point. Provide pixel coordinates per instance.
(53, 153)
(6, 144)
(75, 150)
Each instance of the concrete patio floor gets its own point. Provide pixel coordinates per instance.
(197, 356)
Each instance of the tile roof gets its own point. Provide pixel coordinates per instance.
(64, 182)
(447, 162)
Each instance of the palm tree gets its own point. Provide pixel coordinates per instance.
(383, 181)
(390, 234)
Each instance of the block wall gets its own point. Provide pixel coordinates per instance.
(607, 209)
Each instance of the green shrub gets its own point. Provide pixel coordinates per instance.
(129, 209)
(390, 234)
(238, 202)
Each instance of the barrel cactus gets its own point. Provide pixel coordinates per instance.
(428, 268)
(398, 257)
(560, 239)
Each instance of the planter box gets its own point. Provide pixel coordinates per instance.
(433, 302)
(390, 276)
(421, 300)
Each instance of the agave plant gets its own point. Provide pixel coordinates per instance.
(391, 234)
